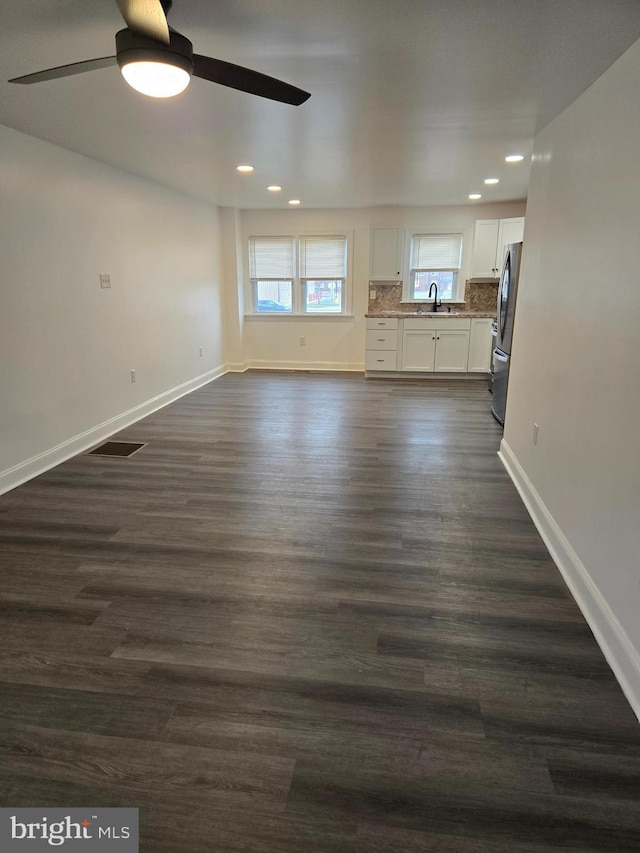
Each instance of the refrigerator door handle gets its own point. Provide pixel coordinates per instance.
(499, 356)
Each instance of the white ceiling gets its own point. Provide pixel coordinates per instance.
(414, 102)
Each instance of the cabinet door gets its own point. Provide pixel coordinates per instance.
(452, 352)
(510, 231)
(418, 350)
(480, 345)
(386, 253)
(485, 240)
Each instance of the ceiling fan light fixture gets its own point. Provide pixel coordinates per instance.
(159, 61)
(156, 79)
(153, 68)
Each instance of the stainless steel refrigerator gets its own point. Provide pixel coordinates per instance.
(507, 294)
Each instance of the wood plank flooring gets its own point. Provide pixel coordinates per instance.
(312, 614)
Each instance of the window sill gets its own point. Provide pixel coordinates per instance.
(304, 317)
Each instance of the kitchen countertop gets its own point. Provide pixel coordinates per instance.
(431, 314)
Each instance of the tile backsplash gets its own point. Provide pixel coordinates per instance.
(479, 295)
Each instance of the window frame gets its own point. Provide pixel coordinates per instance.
(408, 289)
(299, 283)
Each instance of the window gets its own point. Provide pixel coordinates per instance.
(271, 262)
(434, 258)
(323, 269)
(319, 287)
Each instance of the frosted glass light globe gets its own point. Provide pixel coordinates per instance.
(156, 79)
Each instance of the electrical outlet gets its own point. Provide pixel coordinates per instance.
(133, 376)
(303, 342)
(535, 433)
(372, 294)
(105, 279)
(200, 352)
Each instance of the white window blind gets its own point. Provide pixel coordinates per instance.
(323, 258)
(271, 258)
(431, 252)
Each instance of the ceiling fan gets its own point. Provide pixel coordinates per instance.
(158, 61)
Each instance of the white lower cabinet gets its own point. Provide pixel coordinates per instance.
(435, 350)
(380, 360)
(435, 345)
(382, 339)
(480, 346)
(446, 344)
(452, 349)
(418, 350)
(382, 344)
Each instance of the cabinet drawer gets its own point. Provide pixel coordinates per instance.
(382, 322)
(439, 323)
(380, 360)
(382, 340)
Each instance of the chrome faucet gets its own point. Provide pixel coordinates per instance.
(436, 304)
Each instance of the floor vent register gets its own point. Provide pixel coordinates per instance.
(121, 449)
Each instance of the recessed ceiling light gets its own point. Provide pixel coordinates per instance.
(492, 180)
(244, 167)
(294, 201)
(474, 195)
(274, 188)
(514, 158)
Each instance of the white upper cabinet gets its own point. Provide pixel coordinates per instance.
(510, 231)
(387, 245)
(485, 242)
(490, 238)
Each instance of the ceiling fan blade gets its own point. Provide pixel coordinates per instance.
(66, 70)
(145, 18)
(247, 80)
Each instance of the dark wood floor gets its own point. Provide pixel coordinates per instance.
(312, 614)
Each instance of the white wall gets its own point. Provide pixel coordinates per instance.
(66, 345)
(576, 359)
(331, 342)
(230, 222)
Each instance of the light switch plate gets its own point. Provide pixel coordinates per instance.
(105, 279)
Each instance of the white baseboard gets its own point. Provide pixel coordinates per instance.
(621, 655)
(237, 367)
(30, 468)
(332, 366)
